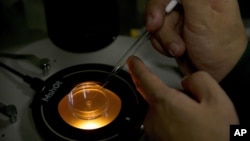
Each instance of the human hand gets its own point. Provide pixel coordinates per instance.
(205, 35)
(174, 116)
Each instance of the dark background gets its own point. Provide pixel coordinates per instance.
(23, 21)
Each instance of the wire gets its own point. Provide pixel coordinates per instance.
(35, 83)
(11, 70)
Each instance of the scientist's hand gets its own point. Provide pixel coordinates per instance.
(174, 116)
(210, 33)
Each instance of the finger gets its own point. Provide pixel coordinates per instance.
(146, 83)
(158, 46)
(155, 12)
(169, 35)
(151, 87)
(202, 87)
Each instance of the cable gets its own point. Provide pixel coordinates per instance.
(35, 83)
(11, 70)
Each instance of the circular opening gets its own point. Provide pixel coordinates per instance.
(89, 106)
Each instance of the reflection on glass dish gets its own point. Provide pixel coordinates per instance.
(89, 106)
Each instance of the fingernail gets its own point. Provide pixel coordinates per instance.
(173, 49)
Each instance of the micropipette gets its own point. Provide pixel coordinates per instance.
(122, 61)
(171, 5)
(135, 46)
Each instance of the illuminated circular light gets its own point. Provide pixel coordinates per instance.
(89, 106)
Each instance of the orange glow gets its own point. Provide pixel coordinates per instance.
(90, 125)
(89, 107)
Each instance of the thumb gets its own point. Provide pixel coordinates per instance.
(148, 84)
(202, 86)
